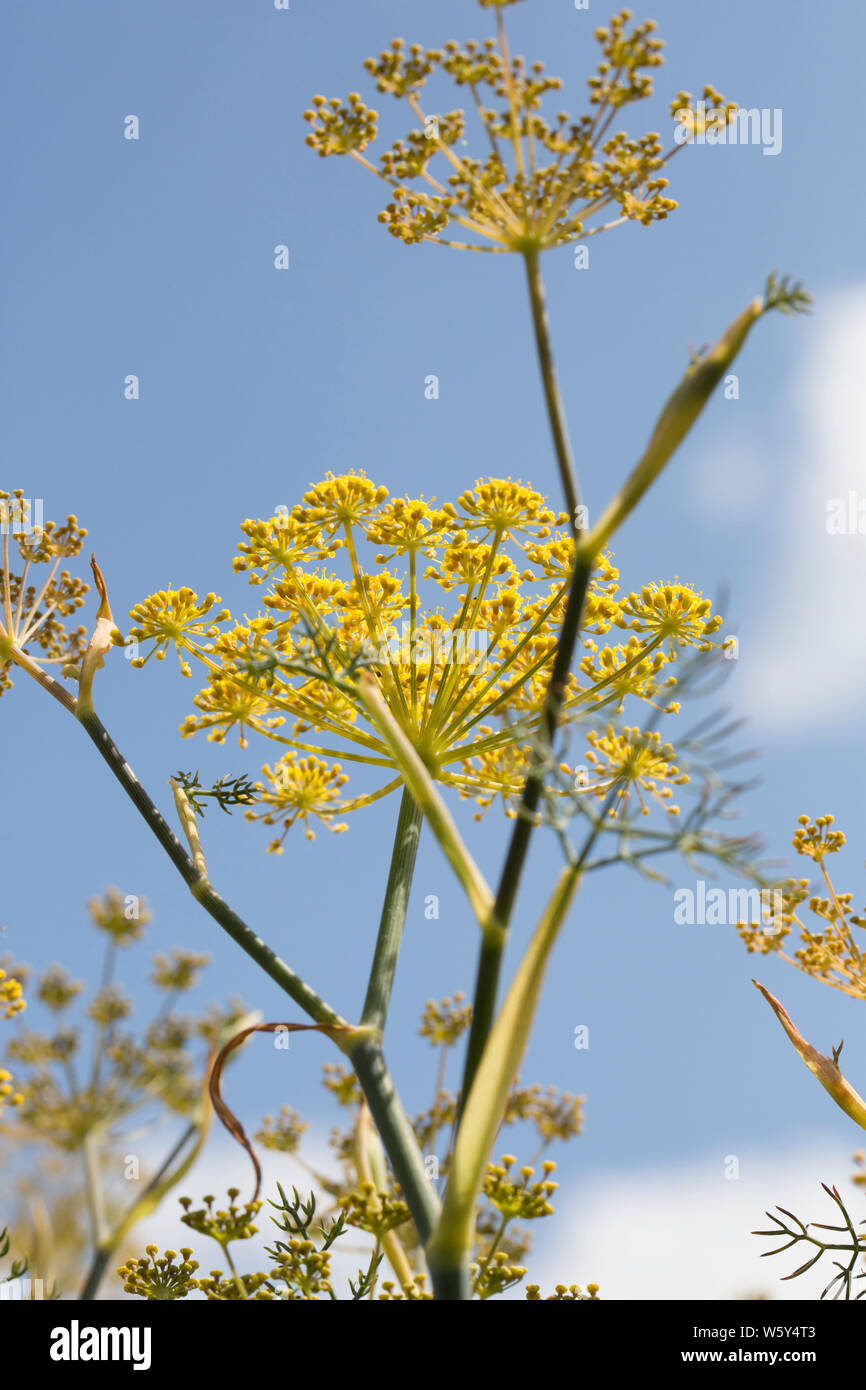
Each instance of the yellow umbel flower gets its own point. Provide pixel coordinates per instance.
(227, 705)
(168, 617)
(160, 1279)
(522, 1201)
(541, 182)
(298, 788)
(466, 683)
(617, 672)
(831, 949)
(571, 1293)
(8, 1093)
(633, 761)
(123, 918)
(673, 613)
(11, 1001)
(32, 612)
(816, 841)
(444, 1022)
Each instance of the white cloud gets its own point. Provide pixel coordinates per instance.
(729, 483)
(811, 656)
(683, 1232)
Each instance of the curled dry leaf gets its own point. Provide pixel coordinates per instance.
(227, 1117)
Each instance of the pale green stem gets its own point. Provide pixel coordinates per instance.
(393, 916)
(555, 411)
(449, 1251)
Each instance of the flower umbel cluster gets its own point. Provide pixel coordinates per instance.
(11, 1000)
(564, 1293)
(454, 609)
(834, 953)
(160, 1280)
(34, 604)
(522, 1200)
(224, 1224)
(89, 1075)
(11, 1003)
(541, 179)
(632, 761)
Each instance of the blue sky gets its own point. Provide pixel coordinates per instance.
(155, 257)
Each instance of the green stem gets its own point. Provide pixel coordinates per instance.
(493, 945)
(679, 414)
(108, 1246)
(555, 411)
(451, 1283)
(396, 1132)
(95, 1274)
(448, 1253)
(231, 1264)
(482, 1104)
(484, 1264)
(93, 1188)
(199, 886)
(393, 917)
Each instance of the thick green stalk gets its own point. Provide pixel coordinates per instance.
(493, 944)
(679, 414)
(371, 1167)
(449, 1251)
(95, 1273)
(552, 398)
(94, 1193)
(395, 1130)
(492, 948)
(393, 917)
